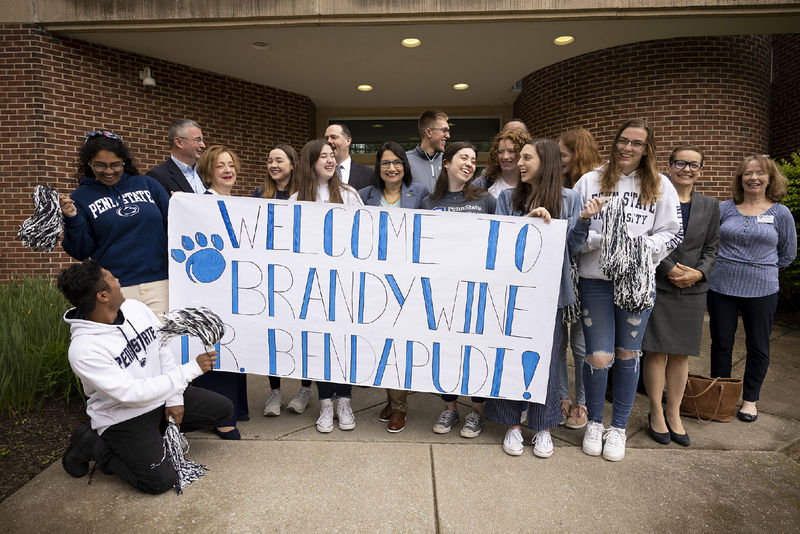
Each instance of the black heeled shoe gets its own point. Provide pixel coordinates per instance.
(658, 437)
(746, 417)
(680, 439)
(230, 434)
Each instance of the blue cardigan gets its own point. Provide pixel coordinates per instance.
(410, 195)
(577, 231)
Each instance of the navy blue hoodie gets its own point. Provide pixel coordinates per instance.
(123, 227)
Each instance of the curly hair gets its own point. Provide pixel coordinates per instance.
(518, 138)
(95, 144)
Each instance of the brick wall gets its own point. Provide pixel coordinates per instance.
(784, 109)
(709, 91)
(53, 90)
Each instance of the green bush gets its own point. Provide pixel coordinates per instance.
(35, 339)
(790, 277)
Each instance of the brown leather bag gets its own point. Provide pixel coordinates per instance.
(711, 399)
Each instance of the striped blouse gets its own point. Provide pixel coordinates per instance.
(751, 250)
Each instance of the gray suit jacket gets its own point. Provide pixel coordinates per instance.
(170, 177)
(410, 195)
(699, 247)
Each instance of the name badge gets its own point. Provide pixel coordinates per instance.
(766, 219)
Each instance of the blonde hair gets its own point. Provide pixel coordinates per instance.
(776, 188)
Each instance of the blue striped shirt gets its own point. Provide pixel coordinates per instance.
(751, 250)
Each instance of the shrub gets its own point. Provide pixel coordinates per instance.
(35, 339)
(790, 277)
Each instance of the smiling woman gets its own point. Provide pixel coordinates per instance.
(119, 218)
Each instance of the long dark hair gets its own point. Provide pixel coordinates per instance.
(647, 172)
(95, 144)
(307, 178)
(545, 191)
(398, 151)
(470, 191)
(270, 187)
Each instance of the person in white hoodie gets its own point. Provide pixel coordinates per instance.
(132, 382)
(613, 334)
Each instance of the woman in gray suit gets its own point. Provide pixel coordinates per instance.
(394, 190)
(676, 324)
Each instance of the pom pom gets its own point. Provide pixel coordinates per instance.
(200, 322)
(627, 261)
(175, 449)
(40, 232)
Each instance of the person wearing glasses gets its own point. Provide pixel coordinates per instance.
(675, 327)
(426, 159)
(613, 334)
(119, 218)
(179, 172)
(757, 238)
(394, 190)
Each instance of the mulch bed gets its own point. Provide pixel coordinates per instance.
(30, 442)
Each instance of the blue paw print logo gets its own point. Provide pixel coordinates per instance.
(206, 264)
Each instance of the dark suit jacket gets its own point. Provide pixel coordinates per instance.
(410, 195)
(699, 247)
(170, 176)
(361, 176)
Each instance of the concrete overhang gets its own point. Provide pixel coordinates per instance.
(325, 49)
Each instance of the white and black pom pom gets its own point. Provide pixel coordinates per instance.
(40, 231)
(200, 322)
(627, 261)
(573, 312)
(175, 449)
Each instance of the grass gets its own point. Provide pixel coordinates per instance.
(33, 351)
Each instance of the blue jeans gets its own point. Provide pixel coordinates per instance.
(572, 334)
(606, 327)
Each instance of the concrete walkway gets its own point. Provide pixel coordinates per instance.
(284, 476)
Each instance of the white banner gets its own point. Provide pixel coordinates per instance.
(405, 299)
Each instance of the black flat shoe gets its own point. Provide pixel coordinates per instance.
(680, 439)
(658, 437)
(746, 417)
(232, 434)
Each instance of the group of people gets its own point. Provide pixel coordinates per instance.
(697, 251)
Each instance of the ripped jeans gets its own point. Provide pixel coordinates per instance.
(606, 327)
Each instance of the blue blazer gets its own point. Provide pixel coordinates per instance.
(410, 195)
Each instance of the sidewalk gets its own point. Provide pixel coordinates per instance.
(284, 476)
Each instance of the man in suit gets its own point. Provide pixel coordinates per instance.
(179, 172)
(354, 174)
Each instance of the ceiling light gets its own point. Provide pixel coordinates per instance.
(563, 40)
(411, 42)
(260, 45)
(364, 87)
(461, 86)
(377, 125)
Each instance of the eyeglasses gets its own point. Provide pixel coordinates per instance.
(102, 167)
(385, 164)
(694, 166)
(445, 130)
(104, 133)
(622, 142)
(198, 140)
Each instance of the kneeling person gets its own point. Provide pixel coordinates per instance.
(133, 384)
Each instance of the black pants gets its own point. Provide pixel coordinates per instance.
(326, 390)
(757, 316)
(275, 382)
(133, 446)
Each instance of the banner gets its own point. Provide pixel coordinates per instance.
(406, 299)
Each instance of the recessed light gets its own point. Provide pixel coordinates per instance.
(563, 40)
(364, 87)
(377, 125)
(411, 42)
(260, 45)
(461, 86)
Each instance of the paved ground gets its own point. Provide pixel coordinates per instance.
(284, 476)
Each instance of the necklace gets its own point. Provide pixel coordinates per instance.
(391, 199)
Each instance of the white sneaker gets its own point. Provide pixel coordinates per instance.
(543, 444)
(614, 448)
(513, 442)
(593, 439)
(347, 421)
(325, 421)
(273, 406)
(300, 401)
